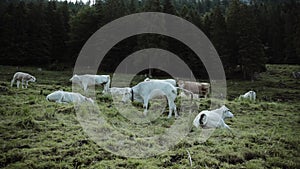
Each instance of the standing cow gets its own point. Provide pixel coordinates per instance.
(201, 89)
(251, 95)
(90, 80)
(24, 77)
(147, 90)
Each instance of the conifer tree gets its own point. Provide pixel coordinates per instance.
(233, 27)
(219, 35)
(169, 7)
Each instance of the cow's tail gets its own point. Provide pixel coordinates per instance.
(191, 93)
(108, 82)
(13, 80)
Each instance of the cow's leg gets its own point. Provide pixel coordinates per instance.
(175, 110)
(60, 99)
(172, 107)
(229, 129)
(204, 94)
(26, 84)
(105, 88)
(145, 106)
(107, 85)
(22, 83)
(18, 83)
(253, 97)
(84, 87)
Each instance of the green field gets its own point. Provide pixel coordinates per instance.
(40, 134)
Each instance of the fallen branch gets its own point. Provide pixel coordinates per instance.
(190, 158)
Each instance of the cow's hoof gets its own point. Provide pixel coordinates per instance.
(145, 114)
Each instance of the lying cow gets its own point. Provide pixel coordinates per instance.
(251, 95)
(145, 91)
(213, 119)
(24, 77)
(195, 87)
(171, 81)
(90, 80)
(67, 97)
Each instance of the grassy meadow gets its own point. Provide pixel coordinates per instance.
(35, 133)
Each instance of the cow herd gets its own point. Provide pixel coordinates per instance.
(143, 92)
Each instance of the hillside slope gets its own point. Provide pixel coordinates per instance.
(35, 133)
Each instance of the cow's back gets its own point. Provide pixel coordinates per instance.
(20, 75)
(194, 87)
(145, 88)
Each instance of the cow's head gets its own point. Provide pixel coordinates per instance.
(226, 112)
(180, 83)
(32, 79)
(74, 79)
(127, 96)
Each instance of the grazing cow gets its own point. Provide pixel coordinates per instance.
(145, 91)
(118, 90)
(89, 80)
(67, 97)
(24, 77)
(195, 87)
(296, 75)
(171, 81)
(213, 119)
(251, 95)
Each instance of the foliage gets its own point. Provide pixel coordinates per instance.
(246, 34)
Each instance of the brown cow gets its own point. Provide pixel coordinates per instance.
(199, 88)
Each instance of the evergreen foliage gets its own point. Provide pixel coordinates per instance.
(246, 34)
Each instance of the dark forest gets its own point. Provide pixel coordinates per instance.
(247, 34)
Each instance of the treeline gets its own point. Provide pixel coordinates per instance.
(247, 34)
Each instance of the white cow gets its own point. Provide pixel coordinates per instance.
(171, 81)
(196, 87)
(251, 95)
(145, 91)
(24, 77)
(296, 75)
(90, 80)
(119, 90)
(67, 97)
(213, 119)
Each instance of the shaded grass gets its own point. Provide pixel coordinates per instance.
(35, 133)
